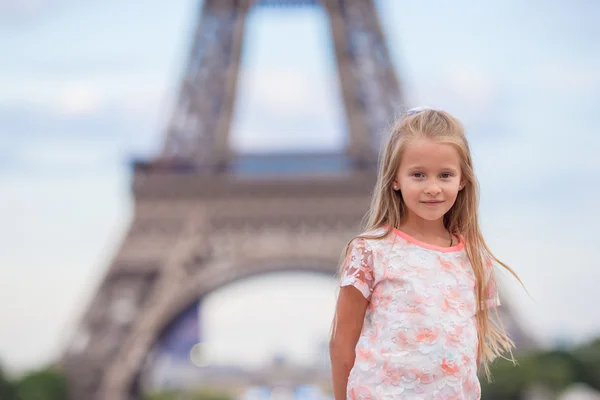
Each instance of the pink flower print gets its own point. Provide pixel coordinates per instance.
(417, 304)
(423, 376)
(352, 395)
(454, 336)
(445, 305)
(408, 380)
(423, 273)
(471, 386)
(391, 374)
(408, 308)
(453, 293)
(402, 339)
(450, 367)
(427, 336)
(459, 308)
(368, 274)
(391, 273)
(381, 300)
(404, 343)
(386, 353)
(453, 300)
(365, 355)
(445, 264)
(466, 360)
(424, 302)
(418, 389)
(361, 393)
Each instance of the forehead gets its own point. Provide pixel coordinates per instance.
(427, 153)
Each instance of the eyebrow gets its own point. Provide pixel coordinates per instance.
(411, 167)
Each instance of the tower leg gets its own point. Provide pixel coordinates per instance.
(123, 293)
(371, 90)
(199, 127)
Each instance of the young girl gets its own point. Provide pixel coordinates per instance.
(412, 319)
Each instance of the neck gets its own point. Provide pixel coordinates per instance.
(414, 225)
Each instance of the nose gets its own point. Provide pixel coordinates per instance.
(433, 190)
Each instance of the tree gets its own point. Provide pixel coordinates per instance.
(44, 384)
(555, 370)
(7, 387)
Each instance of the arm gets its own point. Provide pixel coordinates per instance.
(347, 326)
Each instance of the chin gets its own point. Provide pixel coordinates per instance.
(431, 218)
(427, 214)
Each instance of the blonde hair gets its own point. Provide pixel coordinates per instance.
(388, 210)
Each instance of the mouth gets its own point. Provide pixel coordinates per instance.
(432, 202)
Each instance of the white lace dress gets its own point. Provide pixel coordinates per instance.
(419, 338)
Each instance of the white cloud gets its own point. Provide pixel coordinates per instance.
(74, 96)
(79, 98)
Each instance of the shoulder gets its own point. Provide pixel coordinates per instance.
(371, 239)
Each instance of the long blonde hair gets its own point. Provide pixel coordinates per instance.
(388, 210)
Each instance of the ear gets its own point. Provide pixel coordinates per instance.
(461, 186)
(395, 185)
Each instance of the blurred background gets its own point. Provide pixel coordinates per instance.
(85, 87)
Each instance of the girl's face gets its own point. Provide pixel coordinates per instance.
(429, 178)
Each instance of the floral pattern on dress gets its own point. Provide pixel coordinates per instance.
(419, 337)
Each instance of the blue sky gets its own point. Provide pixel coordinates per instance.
(85, 85)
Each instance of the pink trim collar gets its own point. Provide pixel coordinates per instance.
(419, 243)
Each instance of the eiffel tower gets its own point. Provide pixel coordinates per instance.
(202, 221)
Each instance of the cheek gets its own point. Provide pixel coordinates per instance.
(453, 189)
(411, 191)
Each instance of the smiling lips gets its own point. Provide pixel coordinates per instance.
(432, 202)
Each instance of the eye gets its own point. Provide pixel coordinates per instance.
(446, 175)
(417, 175)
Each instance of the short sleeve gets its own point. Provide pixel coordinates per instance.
(493, 298)
(357, 270)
